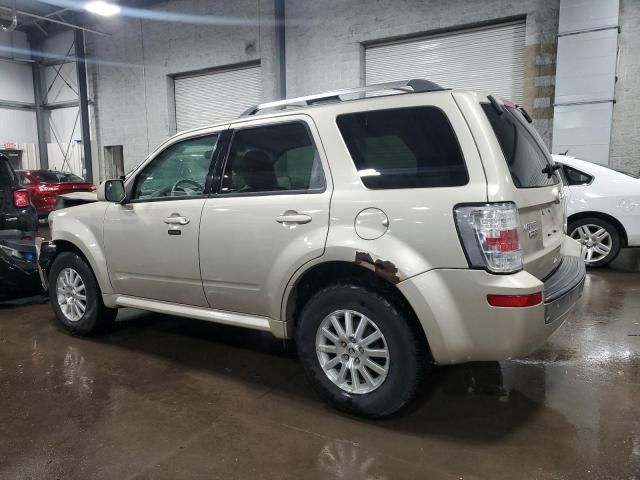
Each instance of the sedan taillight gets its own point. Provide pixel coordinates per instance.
(489, 234)
(21, 198)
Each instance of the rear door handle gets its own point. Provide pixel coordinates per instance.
(176, 220)
(291, 216)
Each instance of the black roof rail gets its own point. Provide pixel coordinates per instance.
(415, 85)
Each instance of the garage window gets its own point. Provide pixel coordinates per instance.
(404, 148)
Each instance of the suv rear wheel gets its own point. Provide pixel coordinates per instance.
(76, 297)
(361, 354)
(601, 239)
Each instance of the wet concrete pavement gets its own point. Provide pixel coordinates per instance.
(170, 398)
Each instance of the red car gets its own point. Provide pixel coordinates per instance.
(46, 185)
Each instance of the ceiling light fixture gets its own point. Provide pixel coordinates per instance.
(100, 7)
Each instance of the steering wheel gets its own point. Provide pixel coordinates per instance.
(193, 183)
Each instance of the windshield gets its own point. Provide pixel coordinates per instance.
(522, 147)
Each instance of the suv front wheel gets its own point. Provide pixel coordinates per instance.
(76, 297)
(360, 352)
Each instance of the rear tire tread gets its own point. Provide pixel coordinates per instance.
(413, 345)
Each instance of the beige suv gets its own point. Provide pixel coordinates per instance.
(384, 229)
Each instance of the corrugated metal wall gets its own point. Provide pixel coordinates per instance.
(215, 97)
(487, 60)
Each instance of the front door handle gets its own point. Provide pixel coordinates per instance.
(176, 220)
(291, 216)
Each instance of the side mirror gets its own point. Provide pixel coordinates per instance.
(112, 191)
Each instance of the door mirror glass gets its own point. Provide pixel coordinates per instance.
(112, 191)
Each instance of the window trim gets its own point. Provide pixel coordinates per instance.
(131, 184)
(444, 113)
(232, 135)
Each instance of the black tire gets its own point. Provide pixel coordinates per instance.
(407, 347)
(611, 230)
(96, 318)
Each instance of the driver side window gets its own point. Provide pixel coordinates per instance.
(179, 171)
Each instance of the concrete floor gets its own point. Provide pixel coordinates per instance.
(165, 397)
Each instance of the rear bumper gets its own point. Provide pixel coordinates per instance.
(461, 326)
(563, 288)
(18, 268)
(23, 219)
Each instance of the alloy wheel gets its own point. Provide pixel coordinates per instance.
(71, 294)
(352, 351)
(597, 240)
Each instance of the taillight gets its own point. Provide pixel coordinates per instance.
(21, 198)
(489, 235)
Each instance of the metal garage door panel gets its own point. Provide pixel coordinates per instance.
(487, 60)
(215, 97)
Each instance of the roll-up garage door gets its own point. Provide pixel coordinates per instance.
(216, 96)
(487, 60)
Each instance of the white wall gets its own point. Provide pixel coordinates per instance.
(16, 82)
(131, 79)
(16, 85)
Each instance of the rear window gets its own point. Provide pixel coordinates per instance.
(7, 175)
(68, 177)
(45, 176)
(404, 148)
(522, 148)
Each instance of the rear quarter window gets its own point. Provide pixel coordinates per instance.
(576, 177)
(404, 148)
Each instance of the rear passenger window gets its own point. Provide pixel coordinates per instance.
(404, 148)
(274, 158)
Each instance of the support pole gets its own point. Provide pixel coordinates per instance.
(81, 68)
(41, 121)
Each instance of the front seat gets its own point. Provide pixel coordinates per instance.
(258, 172)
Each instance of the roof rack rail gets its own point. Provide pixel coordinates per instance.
(415, 85)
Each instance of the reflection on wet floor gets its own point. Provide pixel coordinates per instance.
(165, 397)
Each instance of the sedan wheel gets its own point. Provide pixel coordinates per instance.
(600, 240)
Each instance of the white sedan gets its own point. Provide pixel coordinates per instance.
(603, 208)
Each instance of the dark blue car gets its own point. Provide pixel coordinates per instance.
(18, 227)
